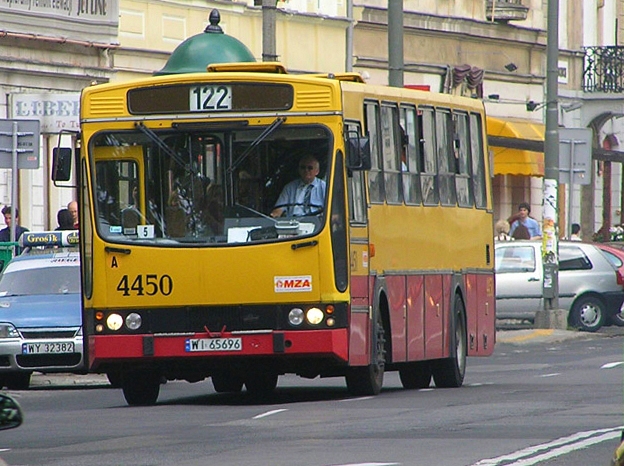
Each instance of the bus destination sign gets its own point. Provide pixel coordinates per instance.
(210, 97)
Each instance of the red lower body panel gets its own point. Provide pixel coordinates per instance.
(126, 348)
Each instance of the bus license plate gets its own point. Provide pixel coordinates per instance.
(213, 344)
(57, 347)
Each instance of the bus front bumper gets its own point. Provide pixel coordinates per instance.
(128, 348)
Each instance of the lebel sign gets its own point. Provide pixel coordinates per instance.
(55, 112)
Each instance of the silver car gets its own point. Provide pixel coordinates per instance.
(588, 283)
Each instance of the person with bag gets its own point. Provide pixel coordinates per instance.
(525, 227)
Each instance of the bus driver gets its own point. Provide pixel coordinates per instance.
(302, 196)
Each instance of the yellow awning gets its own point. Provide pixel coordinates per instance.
(518, 146)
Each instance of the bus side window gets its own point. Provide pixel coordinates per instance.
(375, 175)
(355, 186)
(413, 152)
(446, 157)
(429, 168)
(462, 158)
(391, 152)
(478, 161)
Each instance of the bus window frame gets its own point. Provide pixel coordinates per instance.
(356, 190)
(429, 168)
(391, 152)
(411, 175)
(462, 148)
(445, 156)
(376, 190)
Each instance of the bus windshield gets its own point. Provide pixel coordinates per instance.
(195, 184)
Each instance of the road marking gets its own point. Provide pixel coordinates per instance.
(554, 374)
(367, 464)
(269, 413)
(361, 398)
(564, 445)
(611, 365)
(534, 334)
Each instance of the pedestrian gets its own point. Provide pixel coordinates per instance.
(525, 227)
(5, 233)
(73, 210)
(575, 232)
(65, 220)
(305, 195)
(501, 231)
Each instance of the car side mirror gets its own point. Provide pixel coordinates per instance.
(10, 413)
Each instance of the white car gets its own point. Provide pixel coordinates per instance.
(40, 313)
(588, 283)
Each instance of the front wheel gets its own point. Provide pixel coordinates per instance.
(450, 372)
(588, 313)
(141, 388)
(617, 319)
(368, 380)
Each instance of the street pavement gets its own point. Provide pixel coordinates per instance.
(507, 332)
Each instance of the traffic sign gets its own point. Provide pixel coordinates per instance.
(19, 138)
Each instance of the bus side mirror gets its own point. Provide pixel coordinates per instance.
(358, 152)
(61, 163)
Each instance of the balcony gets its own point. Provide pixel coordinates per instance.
(603, 69)
(505, 10)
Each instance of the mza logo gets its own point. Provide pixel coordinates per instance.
(292, 284)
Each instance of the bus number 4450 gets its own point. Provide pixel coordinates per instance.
(145, 285)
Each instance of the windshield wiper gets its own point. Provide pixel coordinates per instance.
(164, 147)
(266, 133)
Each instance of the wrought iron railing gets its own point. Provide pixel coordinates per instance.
(603, 69)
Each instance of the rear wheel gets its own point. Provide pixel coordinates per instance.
(415, 375)
(588, 313)
(225, 382)
(450, 372)
(261, 383)
(617, 319)
(368, 380)
(141, 388)
(17, 380)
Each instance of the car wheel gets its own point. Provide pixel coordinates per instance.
(17, 380)
(617, 319)
(588, 313)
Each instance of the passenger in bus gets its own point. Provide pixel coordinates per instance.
(73, 210)
(175, 217)
(213, 210)
(303, 196)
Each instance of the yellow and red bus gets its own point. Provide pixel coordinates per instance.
(186, 276)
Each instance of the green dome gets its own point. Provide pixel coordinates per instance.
(212, 46)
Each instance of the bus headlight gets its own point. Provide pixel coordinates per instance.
(133, 321)
(8, 331)
(314, 316)
(295, 316)
(114, 322)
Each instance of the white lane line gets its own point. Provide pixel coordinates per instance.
(554, 374)
(611, 365)
(367, 464)
(269, 413)
(561, 446)
(362, 398)
(5, 449)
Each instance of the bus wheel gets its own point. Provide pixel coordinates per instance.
(17, 380)
(415, 375)
(141, 388)
(261, 383)
(449, 373)
(368, 380)
(224, 382)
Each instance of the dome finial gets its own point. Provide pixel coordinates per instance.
(213, 27)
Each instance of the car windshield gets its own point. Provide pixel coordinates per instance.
(203, 186)
(40, 281)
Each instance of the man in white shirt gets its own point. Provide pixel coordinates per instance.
(303, 196)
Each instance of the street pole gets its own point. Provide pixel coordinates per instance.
(395, 43)
(349, 44)
(550, 243)
(269, 14)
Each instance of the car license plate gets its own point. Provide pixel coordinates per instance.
(56, 347)
(213, 344)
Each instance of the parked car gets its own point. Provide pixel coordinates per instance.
(40, 311)
(615, 254)
(589, 285)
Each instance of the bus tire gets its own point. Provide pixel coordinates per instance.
(415, 375)
(224, 382)
(450, 372)
(368, 380)
(141, 388)
(261, 383)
